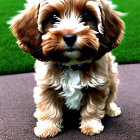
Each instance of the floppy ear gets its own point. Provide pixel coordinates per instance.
(25, 29)
(113, 25)
(113, 28)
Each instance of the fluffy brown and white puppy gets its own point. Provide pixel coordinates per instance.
(71, 40)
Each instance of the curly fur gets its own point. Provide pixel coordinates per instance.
(90, 88)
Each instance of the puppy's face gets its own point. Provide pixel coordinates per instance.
(69, 29)
(66, 31)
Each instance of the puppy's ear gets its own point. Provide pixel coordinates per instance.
(113, 27)
(25, 29)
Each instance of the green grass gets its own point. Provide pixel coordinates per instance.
(13, 60)
(129, 50)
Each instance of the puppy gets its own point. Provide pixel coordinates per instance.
(72, 40)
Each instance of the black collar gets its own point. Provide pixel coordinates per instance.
(81, 67)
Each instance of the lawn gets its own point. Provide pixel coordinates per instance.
(129, 50)
(13, 60)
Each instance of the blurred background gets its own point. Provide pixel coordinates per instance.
(13, 60)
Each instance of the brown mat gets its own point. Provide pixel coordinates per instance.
(17, 108)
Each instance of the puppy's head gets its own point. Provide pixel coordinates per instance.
(66, 31)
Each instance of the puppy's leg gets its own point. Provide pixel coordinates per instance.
(93, 111)
(112, 109)
(48, 112)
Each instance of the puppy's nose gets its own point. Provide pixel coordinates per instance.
(70, 39)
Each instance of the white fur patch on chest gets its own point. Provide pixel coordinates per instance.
(71, 84)
(70, 81)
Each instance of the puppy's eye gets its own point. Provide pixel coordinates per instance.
(54, 18)
(86, 16)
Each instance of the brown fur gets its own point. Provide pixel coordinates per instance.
(113, 26)
(49, 46)
(95, 102)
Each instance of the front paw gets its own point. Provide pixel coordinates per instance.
(91, 127)
(113, 110)
(45, 129)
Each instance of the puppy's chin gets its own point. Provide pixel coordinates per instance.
(70, 58)
(72, 54)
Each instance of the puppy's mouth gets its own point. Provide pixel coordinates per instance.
(71, 50)
(72, 53)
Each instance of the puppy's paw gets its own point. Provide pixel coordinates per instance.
(91, 127)
(113, 110)
(45, 129)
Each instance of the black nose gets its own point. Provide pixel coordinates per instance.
(70, 39)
